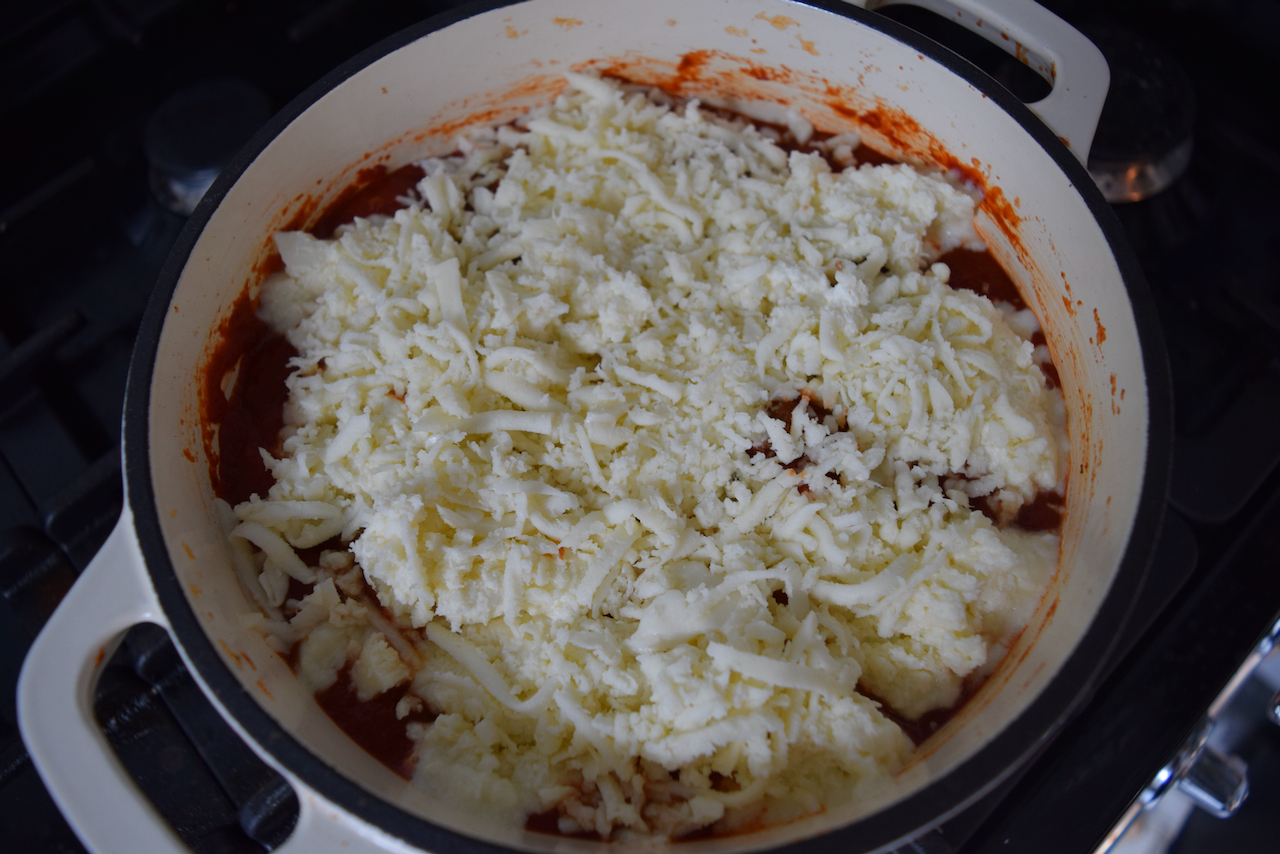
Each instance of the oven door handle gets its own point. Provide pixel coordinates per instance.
(101, 802)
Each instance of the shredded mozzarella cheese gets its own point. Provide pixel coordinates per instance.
(536, 401)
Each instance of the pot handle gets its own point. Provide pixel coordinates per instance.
(55, 702)
(324, 829)
(97, 796)
(1049, 46)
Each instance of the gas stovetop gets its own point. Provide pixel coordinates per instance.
(91, 201)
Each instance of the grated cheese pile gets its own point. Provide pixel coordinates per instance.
(664, 437)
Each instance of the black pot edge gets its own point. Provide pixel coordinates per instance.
(1024, 737)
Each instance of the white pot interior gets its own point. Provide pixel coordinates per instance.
(838, 72)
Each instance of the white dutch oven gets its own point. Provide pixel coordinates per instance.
(168, 563)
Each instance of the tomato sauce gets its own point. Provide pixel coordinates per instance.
(1051, 378)
(549, 822)
(1042, 514)
(252, 417)
(920, 729)
(781, 408)
(376, 191)
(865, 156)
(982, 274)
(297, 589)
(372, 723)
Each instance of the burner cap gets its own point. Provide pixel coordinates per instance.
(196, 132)
(1144, 137)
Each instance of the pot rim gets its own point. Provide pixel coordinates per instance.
(1028, 734)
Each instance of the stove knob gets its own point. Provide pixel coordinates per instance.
(1218, 784)
(1144, 138)
(195, 133)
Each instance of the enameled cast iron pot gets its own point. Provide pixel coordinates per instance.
(168, 563)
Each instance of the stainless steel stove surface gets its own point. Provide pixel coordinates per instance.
(102, 160)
